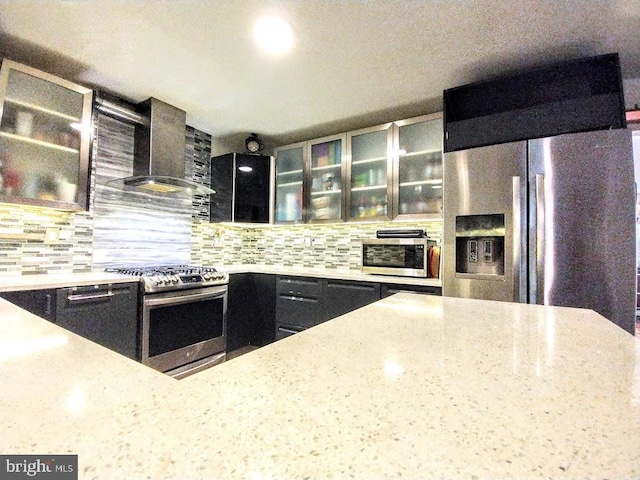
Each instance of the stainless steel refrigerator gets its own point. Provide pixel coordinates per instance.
(548, 221)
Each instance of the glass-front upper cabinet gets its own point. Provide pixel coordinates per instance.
(419, 167)
(45, 131)
(290, 161)
(370, 172)
(326, 171)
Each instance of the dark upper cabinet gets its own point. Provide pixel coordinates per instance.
(243, 188)
(575, 96)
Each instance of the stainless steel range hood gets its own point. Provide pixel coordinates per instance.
(159, 160)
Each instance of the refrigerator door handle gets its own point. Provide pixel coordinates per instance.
(517, 241)
(540, 244)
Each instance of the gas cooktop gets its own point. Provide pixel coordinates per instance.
(174, 277)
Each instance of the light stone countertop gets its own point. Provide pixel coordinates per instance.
(412, 386)
(337, 274)
(44, 281)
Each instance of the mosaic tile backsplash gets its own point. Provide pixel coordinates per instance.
(71, 254)
(297, 246)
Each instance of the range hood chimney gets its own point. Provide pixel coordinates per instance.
(159, 163)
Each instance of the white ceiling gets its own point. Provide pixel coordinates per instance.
(355, 63)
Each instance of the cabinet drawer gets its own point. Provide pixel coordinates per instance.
(390, 288)
(304, 286)
(283, 331)
(341, 296)
(297, 310)
(105, 314)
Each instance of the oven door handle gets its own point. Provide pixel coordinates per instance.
(185, 298)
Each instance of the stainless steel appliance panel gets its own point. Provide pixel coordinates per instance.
(396, 256)
(184, 326)
(487, 181)
(582, 223)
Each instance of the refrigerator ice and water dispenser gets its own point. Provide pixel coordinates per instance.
(480, 245)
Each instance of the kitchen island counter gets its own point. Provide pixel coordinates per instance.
(412, 386)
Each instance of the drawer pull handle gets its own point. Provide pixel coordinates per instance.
(93, 296)
(287, 330)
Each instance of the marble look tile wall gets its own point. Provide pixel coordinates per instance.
(332, 245)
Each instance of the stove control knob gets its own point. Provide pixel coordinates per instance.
(207, 276)
(157, 280)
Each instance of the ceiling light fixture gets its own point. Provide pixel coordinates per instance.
(273, 35)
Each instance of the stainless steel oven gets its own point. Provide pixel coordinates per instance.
(182, 317)
(183, 331)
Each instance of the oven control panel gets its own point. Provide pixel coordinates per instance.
(159, 283)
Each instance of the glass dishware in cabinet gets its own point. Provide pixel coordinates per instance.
(370, 170)
(290, 162)
(45, 130)
(326, 171)
(419, 171)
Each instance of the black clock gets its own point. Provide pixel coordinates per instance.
(253, 143)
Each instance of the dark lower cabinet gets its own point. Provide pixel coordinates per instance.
(387, 289)
(303, 302)
(340, 296)
(265, 296)
(105, 314)
(300, 311)
(284, 331)
(298, 304)
(39, 302)
(250, 310)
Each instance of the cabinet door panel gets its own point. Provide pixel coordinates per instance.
(240, 313)
(45, 128)
(370, 173)
(310, 287)
(252, 188)
(39, 302)
(341, 297)
(298, 311)
(392, 288)
(290, 161)
(418, 182)
(265, 295)
(106, 314)
(222, 183)
(326, 170)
